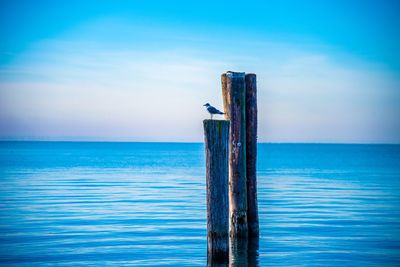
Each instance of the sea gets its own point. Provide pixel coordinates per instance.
(144, 204)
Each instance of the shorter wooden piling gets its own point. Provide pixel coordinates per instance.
(216, 135)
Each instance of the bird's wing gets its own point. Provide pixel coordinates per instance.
(213, 110)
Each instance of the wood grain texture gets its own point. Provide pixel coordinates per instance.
(236, 93)
(216, 136)
(251, 154)
(225, 97)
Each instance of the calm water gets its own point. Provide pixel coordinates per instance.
(143, 204)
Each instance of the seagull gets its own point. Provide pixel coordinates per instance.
(212, 110)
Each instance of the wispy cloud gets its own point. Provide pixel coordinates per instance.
(70, 89)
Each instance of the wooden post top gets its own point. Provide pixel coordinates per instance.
(235, 74)
(215, 121)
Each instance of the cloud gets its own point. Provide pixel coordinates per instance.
(73, 89)
(313, 99)
(129, 95)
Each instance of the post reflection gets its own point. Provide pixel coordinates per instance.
(252, 254)
(242, 253)
(217, 257)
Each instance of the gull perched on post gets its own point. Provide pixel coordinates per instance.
(212, 110)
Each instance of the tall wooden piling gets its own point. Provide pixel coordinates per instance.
(225, 97)
(234, 95)
(251, 154)
(216, 136)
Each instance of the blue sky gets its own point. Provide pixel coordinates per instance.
(328, 71)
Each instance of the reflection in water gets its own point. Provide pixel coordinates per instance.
(242, 252)
(217, 250)
(252, 257)
(238, 252)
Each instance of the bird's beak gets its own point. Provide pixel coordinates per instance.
(204, 105)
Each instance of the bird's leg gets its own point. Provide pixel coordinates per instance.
(211, 116)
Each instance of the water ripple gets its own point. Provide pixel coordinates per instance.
(130, 204)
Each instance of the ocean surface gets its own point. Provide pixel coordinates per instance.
(143, 204)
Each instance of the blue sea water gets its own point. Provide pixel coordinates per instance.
(143, 204)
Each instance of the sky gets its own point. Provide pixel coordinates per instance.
(327, 71)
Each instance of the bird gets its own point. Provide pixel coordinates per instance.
(212, 110)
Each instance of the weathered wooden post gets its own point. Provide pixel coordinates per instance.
(251, 154)
(225, 97)
(216, 136)
(234, 95)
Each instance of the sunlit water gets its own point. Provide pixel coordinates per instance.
(143, 204)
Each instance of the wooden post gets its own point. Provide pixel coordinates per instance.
(251, 154)
(225, 97)
(234, 101)
(216, 136)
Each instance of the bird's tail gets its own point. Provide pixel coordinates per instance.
(221, 113)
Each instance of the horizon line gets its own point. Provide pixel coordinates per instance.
(182, 142)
